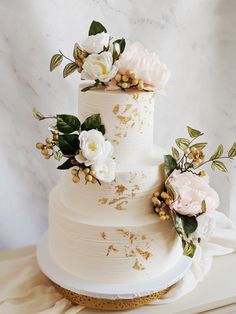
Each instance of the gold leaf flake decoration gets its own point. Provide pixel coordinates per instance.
(103, 235)
(137, 265)
(124, 119)
(144, 254)
(115, 200)
(120, 189)
(143, 237)
(132, 237)
(111, 249)
(136, 96)
(134, 190)
(116, 109)
(120, 206)
(127, 108)
(103, 200)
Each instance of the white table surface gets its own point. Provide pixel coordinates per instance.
(215, 295)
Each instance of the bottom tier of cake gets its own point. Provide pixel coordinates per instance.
(111, 253)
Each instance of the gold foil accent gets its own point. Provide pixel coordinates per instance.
(120, 205)
(111, 248)
(103, 235)
(124, 119)
(144, 254)
(120, 189)
(116, 109)
(135, 96)
(137, 265)
(133, 124)
(127, 108)
(103, 200)
(115, 200)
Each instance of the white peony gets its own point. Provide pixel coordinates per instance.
(93, 147)
(191, 191)
(99, 67)
(145, 65)
(105, 170)
(96, 43)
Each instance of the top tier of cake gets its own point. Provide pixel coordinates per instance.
(128, 119)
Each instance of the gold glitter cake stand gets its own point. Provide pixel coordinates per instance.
(115, 297)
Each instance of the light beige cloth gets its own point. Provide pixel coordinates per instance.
(25, 290)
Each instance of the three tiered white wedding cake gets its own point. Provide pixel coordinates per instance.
(110, 233)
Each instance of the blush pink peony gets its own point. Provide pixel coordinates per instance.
(191, 190)
(145, 65)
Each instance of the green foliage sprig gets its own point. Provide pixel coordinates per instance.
(65, 138)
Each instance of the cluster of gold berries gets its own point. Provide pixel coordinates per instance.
(48, 145)
(196, 155)
(161, 201)
(128, 80)
(80, 61)
(89, 175)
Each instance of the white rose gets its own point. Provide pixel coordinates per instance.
(147, 66)
(99, 67)
(191, 191)
(96, 43)
(93, 147)
(105, 170)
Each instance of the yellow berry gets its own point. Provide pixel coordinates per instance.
(202, 173)
(86, 170)
(156, 201)
(140, 85)
(118, 77)
(75, 179)
(74, 172)
(168, 202)
(157, 209)
(79, 62)
(135, 82)
(193, 149)
(162, 213)
(39, 145)
(125, 78)
(94, 181)
(48, 140)
(89, 178)
(46, 156)
(55, 137)
(92, 172)
(167, 217)
(163, 217)
(124, 85)
(165, 195)
(156, 194)
(49, 145)
(44, 151)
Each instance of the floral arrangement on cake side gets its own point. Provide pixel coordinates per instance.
(113, 63)
(82, 144)
(187, 197)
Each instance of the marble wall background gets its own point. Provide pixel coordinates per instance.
(196, 38)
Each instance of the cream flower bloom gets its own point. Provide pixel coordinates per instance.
(99, 67)
(96, 43)
(145, 65)
(105, 170)
(191, 191)
(93, 147)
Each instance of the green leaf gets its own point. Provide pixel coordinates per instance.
(37, 115)
(66, 165)
(121, 43)
(170, 164)
(170, 190)
(232, 151)
(67, 123)
(182, 143)
(77, 50)
(69, 69)
(193, 132)
(189, 248)
(96, 28)
(68, 144)
(175, 154)
(203, 206)
(218, 153)
(85, 89)
(92, 122)
(102, 129)
(57, 155)
(56, 60)
(185, 224)
(216, 164)
(199, 146)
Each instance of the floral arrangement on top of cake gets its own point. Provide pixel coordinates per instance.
(83, 145)
(187, 196)
(113, 63)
